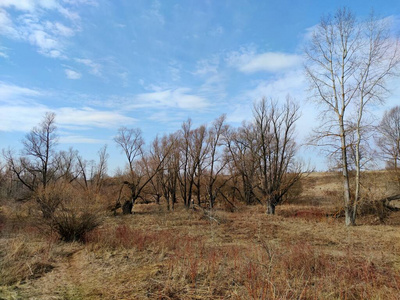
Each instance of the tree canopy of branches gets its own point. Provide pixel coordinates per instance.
(347, 64)
(140, 175)
(270, 148)
(42, 172)
(37, 167)
(389, 139)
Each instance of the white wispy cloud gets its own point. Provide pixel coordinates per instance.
(20, 110)
(11, 93)
(29, 5)
(47, 44)
(71, 74)
(95, 68)
(176, 98)
(21, 117)
(79, 139)
(248, 61)
(7, 27)
(90, 117)
(24, 117)
(32, 22)
(59, 29)
(80, 2)
(291, 83)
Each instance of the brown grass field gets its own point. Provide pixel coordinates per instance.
(303, 252)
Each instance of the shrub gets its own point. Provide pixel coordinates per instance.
(72, 226)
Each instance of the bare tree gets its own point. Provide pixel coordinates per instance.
(192, 155)
(171, 170)
(37, 166)
(156, 155)
(131, 143)
(199, 149)
(217, 159)
(139, 173)
(389, 139)
(274, 133)
(101, 168)
(40, 165)
(91, 174)
(66, 165)
(165, 156)
(262, 154)
(348, 62)
(240, 149)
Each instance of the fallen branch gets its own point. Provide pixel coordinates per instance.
(386, 202)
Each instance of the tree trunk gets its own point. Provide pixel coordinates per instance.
(168, 202)
(350, 217)
(127, 207)
(271, 208)
(212, 201)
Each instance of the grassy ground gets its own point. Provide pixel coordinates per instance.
(298, 254)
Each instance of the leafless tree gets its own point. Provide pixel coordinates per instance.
(347, 64)
(66, 165)
(274, 133)
(171, 170)
(262, 153)
(40, 166)
(91, 174)
(164, 151)
(101, 168)
(217, 160)
(192, 144)
(139, 174)
(240, 149)
(37, 165)
(199, 149)
(156, 155)
(389, 139)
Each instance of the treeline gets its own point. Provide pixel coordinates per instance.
(254, 163)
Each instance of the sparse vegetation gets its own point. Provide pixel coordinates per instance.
(297, 254)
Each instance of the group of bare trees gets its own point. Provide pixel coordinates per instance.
(201, 165)
(41, 171)
(254, 163)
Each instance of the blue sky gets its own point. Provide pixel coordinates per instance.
(102, 64)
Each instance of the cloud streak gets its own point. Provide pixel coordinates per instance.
(71, 74)
(20, 111)
(175, 98)
(250, 62)
(14, 94)
(94, 68)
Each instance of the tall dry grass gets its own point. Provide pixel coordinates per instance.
(301, 253)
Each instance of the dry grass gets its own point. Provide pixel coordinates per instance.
(298, 254)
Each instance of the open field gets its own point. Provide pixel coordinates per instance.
(300, 253)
